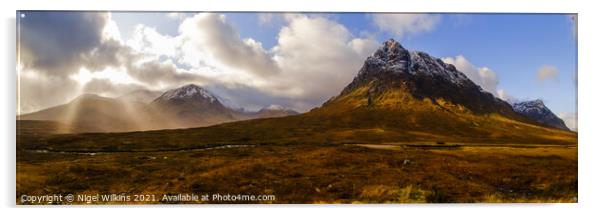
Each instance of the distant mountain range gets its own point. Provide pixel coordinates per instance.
(397, 96)
(184, 107)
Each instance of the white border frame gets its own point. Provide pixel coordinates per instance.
(589, 101)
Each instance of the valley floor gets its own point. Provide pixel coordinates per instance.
(365, 173)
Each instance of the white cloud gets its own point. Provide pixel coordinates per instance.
(147, 40)
(546, 72)
(211, 34)
(570, 120)
(482, 76)
(111, 30)
(405, 24)
(318, 57)
(505, 96)
(305, 66)
(53, 47)
(315, 57)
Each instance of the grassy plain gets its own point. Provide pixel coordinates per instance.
(294, 172)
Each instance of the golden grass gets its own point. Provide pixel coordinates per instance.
(315, 174)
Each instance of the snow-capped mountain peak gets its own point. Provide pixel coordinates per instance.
(391, 67)
(392, 57)
(190, 91)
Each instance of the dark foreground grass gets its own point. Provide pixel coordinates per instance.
(312, 174)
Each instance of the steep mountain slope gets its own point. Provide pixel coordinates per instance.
(537, 111)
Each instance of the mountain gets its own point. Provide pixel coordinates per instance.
(415, 96)
(183, 107)
(274, 111)
(89, 112)
(193, 106)
(422, 76)
(397, 96)
(141, 95)
(537, 111)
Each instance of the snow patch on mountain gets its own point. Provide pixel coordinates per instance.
(187, 92)
(535, 106)
(391, 56)
(537, 111)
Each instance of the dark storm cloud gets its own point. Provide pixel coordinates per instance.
(56, 42)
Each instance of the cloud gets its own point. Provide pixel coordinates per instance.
(405, 24)
(110, 53)
(315, 66)
(505, 96)
(482, 76)
(570, 120)
(304, 69)
(54, 46)
(212, 34)
(147, 40)
(546, 72)
(55, 42)
(164, 73)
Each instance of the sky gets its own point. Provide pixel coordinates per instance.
(298, 60)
